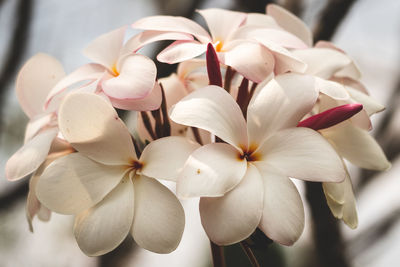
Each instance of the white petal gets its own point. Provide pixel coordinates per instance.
(75, 183)
(103, 227)
(29, 157)
(212, 170)
(173, 24)
(222, 22)
(263, 20)
(159, 218)
(135, 80)
(291, 23)
(331, 89)
(283, 214)
(235, 216)
(180, 51)
(250, 59)
(92, 126)
(213, 109)
(333, 61)
(280, 104)
(370, 105)
(105, 49)
(36, 124)
(164, 158)
(150, 102)
(35, 80)
(304, 154)
(357, 146)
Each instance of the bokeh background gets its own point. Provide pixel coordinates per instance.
(368, 30)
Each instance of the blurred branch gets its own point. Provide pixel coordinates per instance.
(16, 49)
(327, 236)
(257, 6)
(332, 15)
(13, 195)
(294, 6)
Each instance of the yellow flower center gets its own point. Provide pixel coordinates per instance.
(114, 70)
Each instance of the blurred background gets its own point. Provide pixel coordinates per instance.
(368, 30)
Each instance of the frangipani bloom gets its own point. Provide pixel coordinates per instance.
(127, 79)
(111, 191)
(232, 43)
(36, 78)
(244, 183)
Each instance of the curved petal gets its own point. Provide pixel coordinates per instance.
(150, 102)
(371, 106)
(103, 227)
(291, 23)
(88, 72)
(36, 124)
(212, 170)
(164, 158)
(333, 61)
(180, 51)
(92, 126)
(147, 37)
(29, 157)
(135, 80)
(105, 49)
(262, 20)
(173, 24)
(283, 214)
(282, 103)
(331, 89)
(356, 145)
(75, 183)
(235, 216)
(35, 80)
(304, 154)
(222, 23)
(250, 59)
(159, 218)
(213, 109)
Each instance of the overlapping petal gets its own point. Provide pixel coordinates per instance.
(159, 218)
(212, 170)
(302, 153)
(103, 227)
(233, 217)
(180, 51)
(92, 126)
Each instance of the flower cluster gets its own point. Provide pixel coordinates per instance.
(234, 128)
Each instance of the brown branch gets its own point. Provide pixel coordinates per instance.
(8, 199)
(217, 255)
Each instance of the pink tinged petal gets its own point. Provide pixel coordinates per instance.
(280, 104)
(371, 106)
(159, 218)
(173, 24)
(136, 78)
(356, 145)
(105, 49)
(212, 170)
(180, 51)
(164, 158)
(92, 126)
(332, 61)
(304, 154)
(263, 20)
(331, 89)
(103, 227)
(89, 73)
(331, 117)
(213, 109)
(29, 157)
(36, 124)
(35, 80)
(291, 23)
(235, 216)
(213, 68)
(250, 59)
(283, 215)
(222, 23)
(150, 102)
(74, 183)
(147, 37)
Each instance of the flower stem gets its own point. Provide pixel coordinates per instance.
(249, 254)
(217, 255)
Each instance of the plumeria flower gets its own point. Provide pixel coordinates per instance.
(128, 79)
(234, 48)
(36, 78)
(111, 191)
(244, 183)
